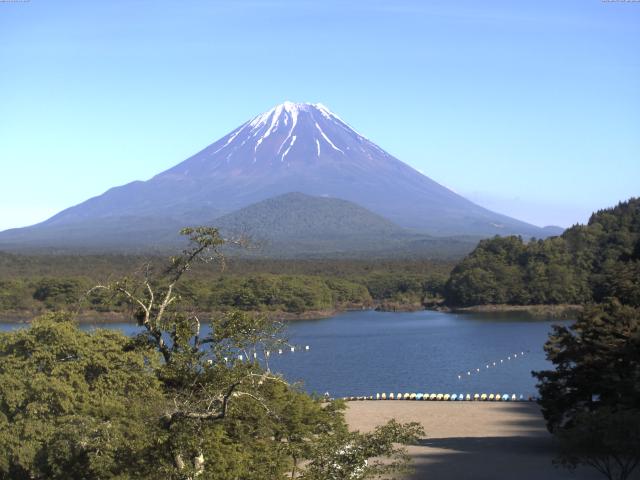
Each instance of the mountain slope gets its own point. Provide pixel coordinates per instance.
(295, 224)
(296, 215)
(292, 147)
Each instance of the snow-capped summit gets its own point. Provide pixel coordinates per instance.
(287, 135)
(293, 147)
(291, 110)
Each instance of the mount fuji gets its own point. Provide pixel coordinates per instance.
(293, 147)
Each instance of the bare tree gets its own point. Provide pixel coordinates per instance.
(204, 372)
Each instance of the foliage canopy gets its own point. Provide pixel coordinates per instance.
(587, 263)
(172, 402)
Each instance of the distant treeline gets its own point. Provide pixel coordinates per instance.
(587, 263)
(32, 285)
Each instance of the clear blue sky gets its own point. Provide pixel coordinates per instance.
(529, 108)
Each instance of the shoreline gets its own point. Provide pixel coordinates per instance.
(88, 317)
(561, 311)
(548, 311)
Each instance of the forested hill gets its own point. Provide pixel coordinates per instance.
(587, 263)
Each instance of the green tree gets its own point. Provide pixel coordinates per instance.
(75, 405)
(58, 293)
(344, 455)
(595, 388)
(607, 440)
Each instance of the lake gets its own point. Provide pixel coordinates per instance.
(366, 352)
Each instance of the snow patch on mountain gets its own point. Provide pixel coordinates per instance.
(289, 148)
(324, 135)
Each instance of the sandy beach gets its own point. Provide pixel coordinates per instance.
(472, 440)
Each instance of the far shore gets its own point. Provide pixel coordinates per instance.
(89, 317)
(536, 311)
(471, 440)
(554, 311)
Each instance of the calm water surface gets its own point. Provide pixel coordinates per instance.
(362, 353)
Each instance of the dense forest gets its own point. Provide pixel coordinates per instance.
(587, 263)
(35, 284)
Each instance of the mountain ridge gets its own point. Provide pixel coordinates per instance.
(291, 147)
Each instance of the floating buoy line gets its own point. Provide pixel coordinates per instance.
(492, 364)
(247, 356)
(447, 397)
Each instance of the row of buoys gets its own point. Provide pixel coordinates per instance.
(293, 349)
(281, 351)
(446, 397)
(267, 353)
(490, 365)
